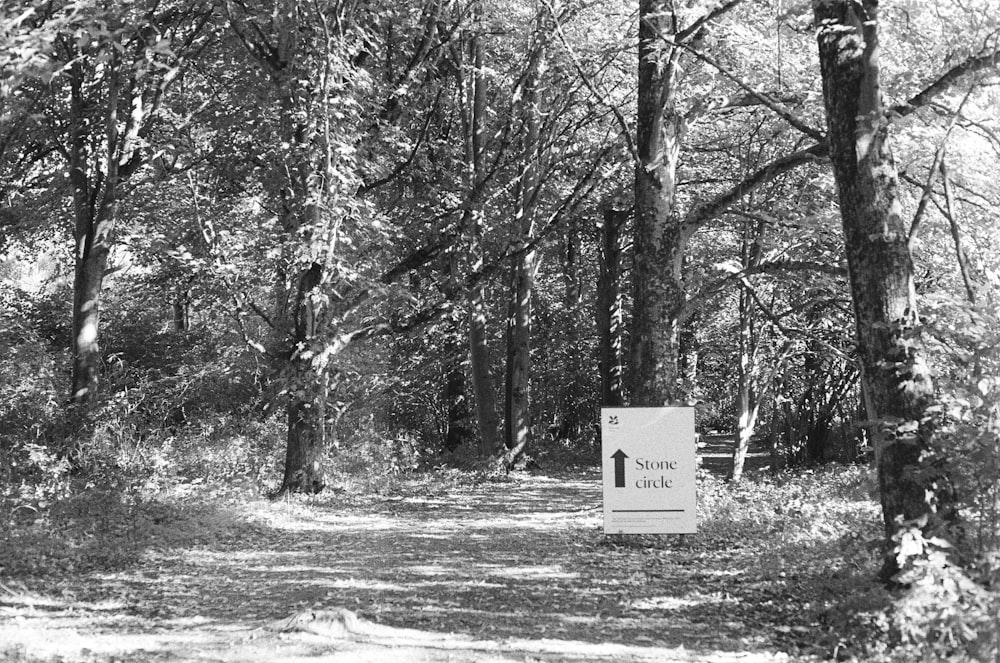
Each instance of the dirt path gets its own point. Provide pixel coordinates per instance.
(495, 572)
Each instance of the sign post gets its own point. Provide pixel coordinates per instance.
(649, 467)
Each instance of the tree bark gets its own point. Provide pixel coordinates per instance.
(307, 392)
(95, 209)
(456, 397)
(479, 354)
(746, 377)
(126, 79)
(660, 236)
(610, 323)
(459, 427)
(690, 351)
(302, 194)
(748, 342)
(518, 413)
(914, 490)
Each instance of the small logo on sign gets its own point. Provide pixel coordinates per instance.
(613, 420)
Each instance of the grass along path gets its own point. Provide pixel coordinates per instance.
(444, 569)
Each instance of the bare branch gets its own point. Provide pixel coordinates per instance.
(764, 98)
(956, 235)
(693, 29)
(945, 81)
(593, 87)
(938, 160)
(705, 212)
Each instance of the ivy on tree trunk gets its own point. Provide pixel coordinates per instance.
(660, 235)
(914, 489)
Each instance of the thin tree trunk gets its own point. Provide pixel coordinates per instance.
(456, 397)
(747, 388)
(660, 236)
(459, 428)
(182, 311)
(690, 350)
(522, 288)
(479, 354)
(610, 323)
(746, 375)
(519, 356)
(915, 490)
(956, 234)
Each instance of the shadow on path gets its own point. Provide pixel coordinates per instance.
(500, 562)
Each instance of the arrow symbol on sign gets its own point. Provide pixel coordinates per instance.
(619, 457)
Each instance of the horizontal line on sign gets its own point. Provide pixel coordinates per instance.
(647, 510)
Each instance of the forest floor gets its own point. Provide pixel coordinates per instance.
(438, 568)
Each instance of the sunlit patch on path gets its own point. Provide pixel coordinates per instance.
(495, 572)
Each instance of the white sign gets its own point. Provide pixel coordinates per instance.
(649, 470)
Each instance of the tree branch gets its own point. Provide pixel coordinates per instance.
(695, 27)
(938, 157)
(945, 81)
(705, 212)
(765, 99)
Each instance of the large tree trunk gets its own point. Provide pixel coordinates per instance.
(481, 375)
(660, 236)
(610, 323)
(306, 406)
(302, 196)
(899, 384)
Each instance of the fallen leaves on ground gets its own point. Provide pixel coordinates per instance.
(486, 571)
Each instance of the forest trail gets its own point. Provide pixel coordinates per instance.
(507, 571)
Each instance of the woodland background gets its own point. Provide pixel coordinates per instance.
(302, 245)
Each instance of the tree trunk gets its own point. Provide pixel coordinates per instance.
(523, 270)
(456, 397)
(93, 238)
(610, 327)
(519, 356)
(481, 375)
(746, 376)
(747, 370)
(572, 273)
(306, 407)
(182, 311)
(660, 236)
(913, 489)
(94, 211)
(459, 426)
(690, 349)
(479, 355)
(302, 196)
